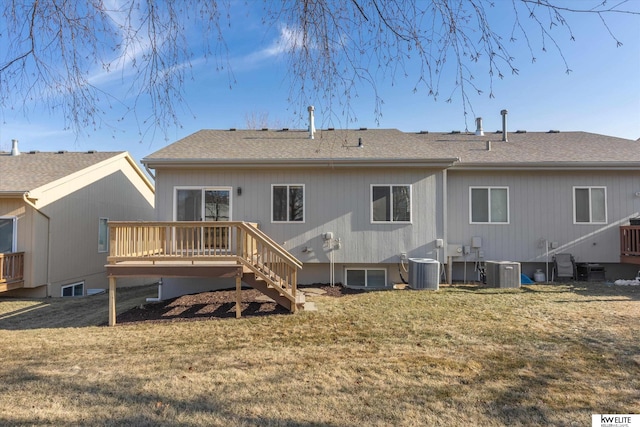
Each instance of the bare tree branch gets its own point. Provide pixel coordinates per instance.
(59, 53)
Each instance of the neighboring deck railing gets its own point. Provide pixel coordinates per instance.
(630, 244)
(237, 241)
(11, 267)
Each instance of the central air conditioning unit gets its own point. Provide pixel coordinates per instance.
(503, 274)
(424, 273)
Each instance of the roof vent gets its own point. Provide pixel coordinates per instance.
(554, 131)
(479, 130)
(423, 132)
(285, 129)
(33, 152)
(92, 152)
(455, 132)
(312, 124)
(232, 130)
(265, 129)
(360, 145)
(504, 125)
(14, 148)
(62, 152)
(521, 131)
(363, 128)
(331, 128)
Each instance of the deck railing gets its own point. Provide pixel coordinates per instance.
(630, 241)
(11, 267)
(204, 241)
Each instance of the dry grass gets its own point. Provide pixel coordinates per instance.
(540, 355)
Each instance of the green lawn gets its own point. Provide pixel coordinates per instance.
(461, 356)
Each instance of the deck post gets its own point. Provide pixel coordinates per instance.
(112, 301)
(238, 293)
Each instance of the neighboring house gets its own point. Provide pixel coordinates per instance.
(353, 205)
(54, 213)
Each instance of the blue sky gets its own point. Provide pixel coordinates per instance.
(600, 95)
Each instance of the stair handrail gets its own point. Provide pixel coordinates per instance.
(261, 235)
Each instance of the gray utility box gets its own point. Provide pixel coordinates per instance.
(503, 274)
(424, 273)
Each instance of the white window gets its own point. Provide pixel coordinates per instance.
(74, 290)
(202, 204)
(287, 203)
(7, 234)
(489, 205)
(103, 235)
(589, 205)
(391, 203)
(366, 277)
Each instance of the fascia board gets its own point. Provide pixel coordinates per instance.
(272, 163)
(12, 194)
(549, 166)
(95, 167)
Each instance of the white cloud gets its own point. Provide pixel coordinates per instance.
(289, 39)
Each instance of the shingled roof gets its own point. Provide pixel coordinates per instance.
(535, 149)
(31, 170)
(233, 147)
(453, 149)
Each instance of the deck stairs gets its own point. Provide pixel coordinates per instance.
(269, 286)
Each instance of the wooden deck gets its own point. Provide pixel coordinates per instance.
(203, 249)
(630, 244)
(11, 271)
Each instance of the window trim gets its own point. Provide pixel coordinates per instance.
(72, 285)
(105, 247)
(304, 204)
(606, 210)
(14, 232)
(489, 188)
(366, 277)
(390, 186)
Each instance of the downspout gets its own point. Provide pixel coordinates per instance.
(30, 203)
(445, 233)
(149, 172)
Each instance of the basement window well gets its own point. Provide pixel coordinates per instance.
(74, 290)
(366, 277)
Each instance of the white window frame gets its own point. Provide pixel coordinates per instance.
(304, 204)
(202, 190)
(390, 186)
(590, 188)
(366, 271)
(105, 247)
(489, 188)
(72, 285)
(14, 237)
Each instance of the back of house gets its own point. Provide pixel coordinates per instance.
(356, 205)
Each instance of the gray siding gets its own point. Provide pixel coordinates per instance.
(541, 208)
(336, 200)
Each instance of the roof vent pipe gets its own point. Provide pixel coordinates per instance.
(14, 148)
(479, 130)
(360, 145)
(504, 125)
(312, 126)
(488, 145)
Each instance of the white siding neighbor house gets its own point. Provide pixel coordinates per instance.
(352, 206)
(54, 214)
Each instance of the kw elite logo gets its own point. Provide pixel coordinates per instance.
(615, 420)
